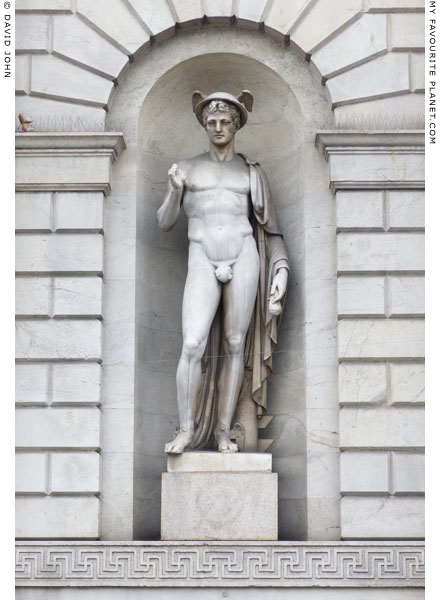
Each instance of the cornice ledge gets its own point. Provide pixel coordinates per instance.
(108, 141)
(220, 564)
(329, 140)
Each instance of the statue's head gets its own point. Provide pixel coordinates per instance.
(220, 106)
(222, 102)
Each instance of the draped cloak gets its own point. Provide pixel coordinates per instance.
(262, 334)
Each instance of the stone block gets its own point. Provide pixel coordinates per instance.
(376, 338)
(76, 384)
(31, 473)
(74, 39)
(407, 31)
(362, 383)
(57, 428)
(32, 384)
(32, 33)
(361, 296)
(380, 252)
(359, 210)
(57, 517)
(62, 253)
(78, 296)
(44, 340)
(377, 169)
(408, 472)
(52, 76)
(394, 5)
(365, 37)
(381, 428)
(22, 63)
(157, 16)
(322, 21)
(74, 472)
(406, 295)
(188, 10)
(282, 15)
(32, 296)
(417, 71)
(43, 6)
(384, 75)
(218, 461)
(59, 170)
(403, 111)
(406, 209)
(219, 506)
(79, 210)
(251, 10)
(33, 211)
(407, 383)
(364, 472)
(382, 518)
(119, 24)
(218, 8)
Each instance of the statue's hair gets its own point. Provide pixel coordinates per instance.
(221, 106)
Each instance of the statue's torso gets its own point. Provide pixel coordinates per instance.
(216, 203)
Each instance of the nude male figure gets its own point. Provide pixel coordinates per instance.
(223, 264)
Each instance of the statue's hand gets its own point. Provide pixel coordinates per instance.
(177, 177)
(277, 291)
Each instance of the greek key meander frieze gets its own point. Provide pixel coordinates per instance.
(211, 564)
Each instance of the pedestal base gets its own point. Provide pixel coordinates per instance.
(210, 496)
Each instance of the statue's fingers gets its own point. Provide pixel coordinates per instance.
(278, 295)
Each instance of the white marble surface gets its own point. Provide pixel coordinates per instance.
(118, 24)
(382, 427)
(78, 41)
(321, 21)
(380, 338)
(366, 37)
(57, 427)
(44, 5)
(407, 383)
(219, 505)
(52, 76)
(407, 31)
(32, 33)
(63, 339)
(359, 209)
(364, 472)
(383, 518)
(51, 516)
(221, 462)
(362, 383)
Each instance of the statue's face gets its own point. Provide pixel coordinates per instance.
(220, 128)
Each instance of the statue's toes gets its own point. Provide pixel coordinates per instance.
(172, 448)
(228, 447)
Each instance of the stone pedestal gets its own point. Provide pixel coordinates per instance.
(214, 496)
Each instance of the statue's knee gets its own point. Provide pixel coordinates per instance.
(192, 347)
(234, 343)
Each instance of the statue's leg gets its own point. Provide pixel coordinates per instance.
(200, 301)
(238, 302)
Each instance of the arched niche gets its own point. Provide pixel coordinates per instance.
(153, 108)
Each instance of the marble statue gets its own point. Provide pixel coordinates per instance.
(236, 282)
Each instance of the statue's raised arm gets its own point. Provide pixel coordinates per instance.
(237, 261)
(169, 211)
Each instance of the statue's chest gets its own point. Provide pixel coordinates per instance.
(231, 177)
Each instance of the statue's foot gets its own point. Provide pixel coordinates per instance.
(224, 443)
(178, 445)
